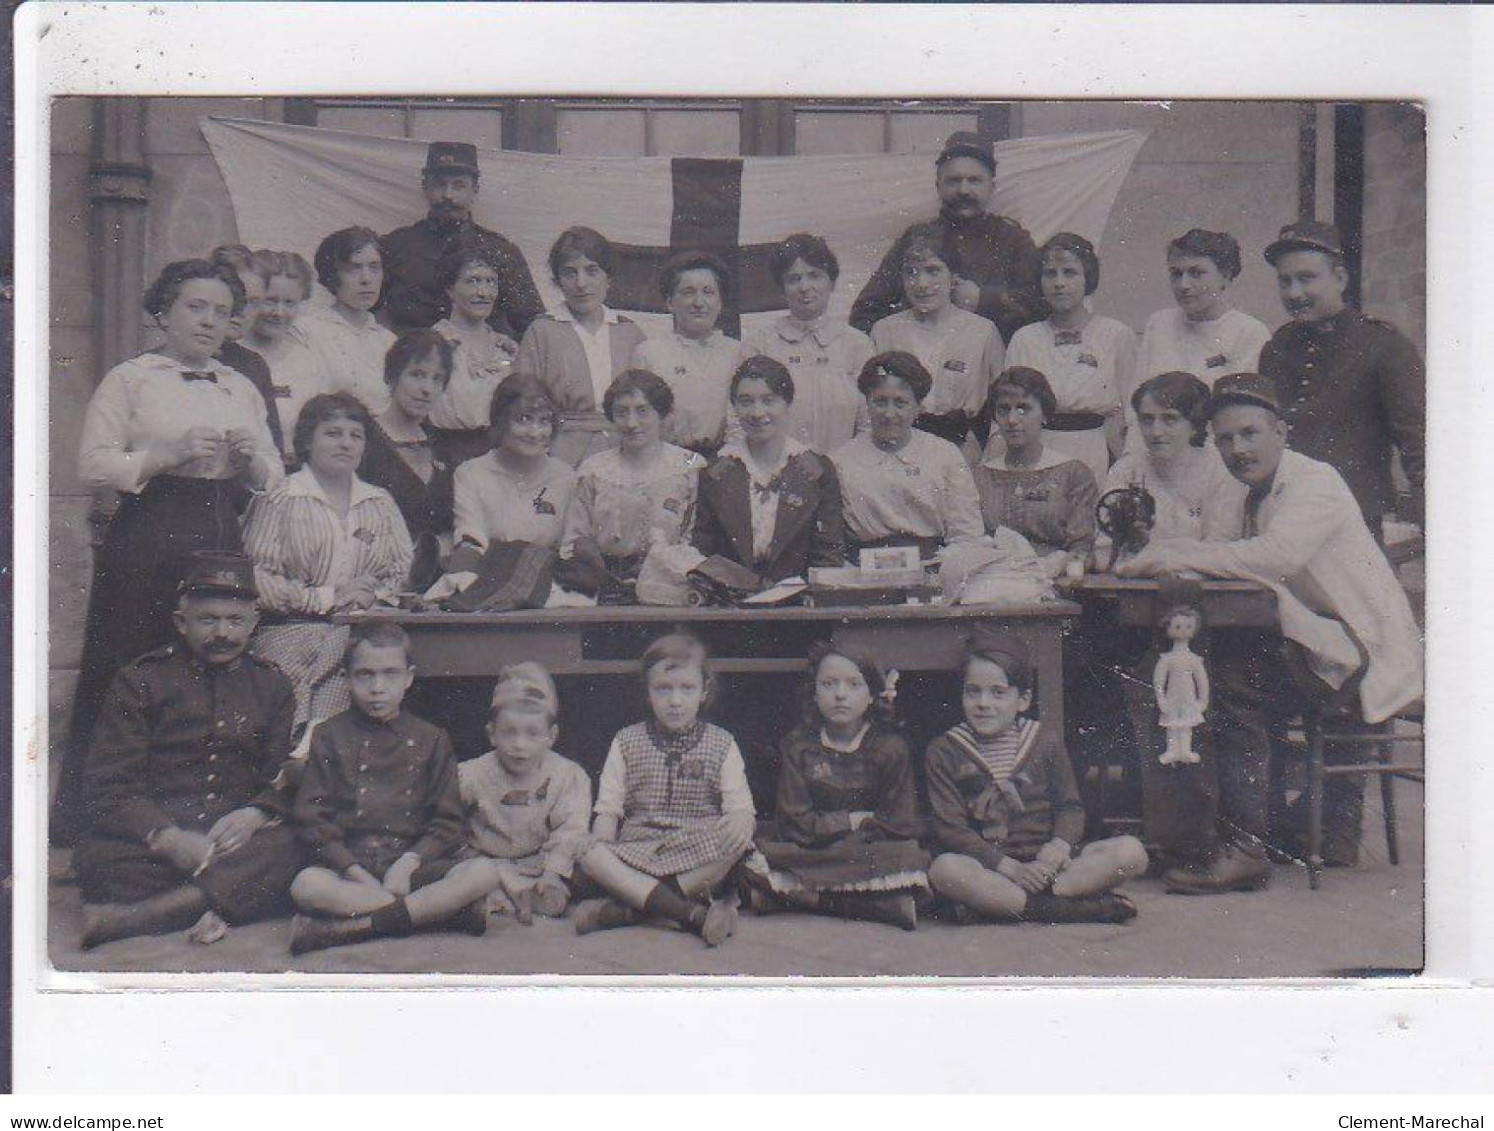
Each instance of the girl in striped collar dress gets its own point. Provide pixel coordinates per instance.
(1006, 810)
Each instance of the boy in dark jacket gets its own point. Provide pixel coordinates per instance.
(379, 812)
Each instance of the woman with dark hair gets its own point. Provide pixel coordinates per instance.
(1046, 496)
(961, 351)
(1196, 496)
(767, 501)
(697, 360)
(633, 497)
(346, 337)
(1203, 334)
(1087, 358)
(902, 486)
(823, 354)
(401, 456)
(283, 280)
(518, 492)
(579, 351)
(324, 541)
(470, 274)
(180, 436)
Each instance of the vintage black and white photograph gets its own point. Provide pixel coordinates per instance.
(616, 537)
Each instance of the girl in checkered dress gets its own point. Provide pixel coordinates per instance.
(674, 813)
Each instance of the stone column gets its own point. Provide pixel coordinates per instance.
(119, 187)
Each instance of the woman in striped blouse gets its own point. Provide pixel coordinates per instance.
(323, 542)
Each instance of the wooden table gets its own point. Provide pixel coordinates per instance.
(1226, 604)
(608, 641)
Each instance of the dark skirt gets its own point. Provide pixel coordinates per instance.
(854, 862)
(136, 573)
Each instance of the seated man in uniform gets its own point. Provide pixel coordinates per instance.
(1347, 639)
(994, 259)
(413, 299)
(180, 804)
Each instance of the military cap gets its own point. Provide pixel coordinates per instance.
(458, 158)
(219, 573)
(1305, 235)
(1243, 388)
(967, 143)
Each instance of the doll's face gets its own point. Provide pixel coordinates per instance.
(1181, 626)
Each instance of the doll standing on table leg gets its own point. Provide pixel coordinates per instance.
(1182, 685)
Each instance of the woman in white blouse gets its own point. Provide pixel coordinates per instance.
(696, 360)
(902, 486)
(346, 336)
(1203, 334)
(1196, 496)
(180, 436)
(323, 542)
(296, 371)
(631, 498)
(824, 355)
(579, 350)
(470, 274)
(1087, 358)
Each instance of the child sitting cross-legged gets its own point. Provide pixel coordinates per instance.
(674, 813)
(1006, 810)
(379, 812)
(527, 807)
(846, 837)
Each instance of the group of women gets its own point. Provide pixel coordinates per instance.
(402, 461)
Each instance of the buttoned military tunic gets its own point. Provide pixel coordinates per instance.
(369, 784)
(995, 253)
(413, 301)
(1351, 387)
(182, 743)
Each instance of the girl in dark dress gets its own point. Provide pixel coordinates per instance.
(844, 841)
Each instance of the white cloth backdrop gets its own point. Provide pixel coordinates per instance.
(292, 185)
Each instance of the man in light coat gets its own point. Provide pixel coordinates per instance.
(1347, 638)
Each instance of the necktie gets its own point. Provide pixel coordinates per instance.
(196, 375)
(1067, 337)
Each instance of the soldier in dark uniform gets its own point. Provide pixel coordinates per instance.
(181, 809)
(994, 259)
(1350, 386)
(412, 299)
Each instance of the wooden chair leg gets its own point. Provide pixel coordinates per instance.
(1314, 803)
(1387, 803)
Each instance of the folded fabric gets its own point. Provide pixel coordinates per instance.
(723, 581)
(511, 575)
(1001, 567)
(664, 578)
